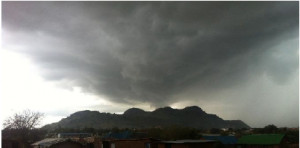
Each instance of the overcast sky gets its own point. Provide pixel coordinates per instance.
(238, 60)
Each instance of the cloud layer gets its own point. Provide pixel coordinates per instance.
(160, 52)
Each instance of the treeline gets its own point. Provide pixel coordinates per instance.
(168, 133)
(174, 133)
(291, 135)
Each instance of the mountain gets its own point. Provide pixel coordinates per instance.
(191, 116)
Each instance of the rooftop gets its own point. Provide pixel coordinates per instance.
(188, 141)
(222, 139)
(49, 141)
(261, 139)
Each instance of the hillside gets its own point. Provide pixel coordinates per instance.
(192, 116)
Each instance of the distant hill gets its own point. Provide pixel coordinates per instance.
(192, 116)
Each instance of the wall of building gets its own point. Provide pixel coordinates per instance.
(14, 144)
(97, 143)
(187, 145)
(129, 144)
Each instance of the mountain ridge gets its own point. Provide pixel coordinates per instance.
(190, 116)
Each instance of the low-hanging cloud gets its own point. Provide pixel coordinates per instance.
(153, 52)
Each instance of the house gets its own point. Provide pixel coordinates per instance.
(58, 143)
(188, 144)
(5, 143)
(89, 142)
(262, 140)
(128, 143)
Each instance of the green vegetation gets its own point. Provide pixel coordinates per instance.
(174, 133)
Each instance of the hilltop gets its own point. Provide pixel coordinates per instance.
(192, 116)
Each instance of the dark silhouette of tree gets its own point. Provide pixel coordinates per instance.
(22, 127)
(173, 133)
(25, 120)
(270, 129)
(215, 131)
(292, 136)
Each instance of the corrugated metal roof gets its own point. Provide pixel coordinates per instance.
(49, 141)
(222, 139)
(261, 139)
(62, 135)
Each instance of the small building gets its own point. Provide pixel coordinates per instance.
(128, 143)
(226, 140)
(5, 143)
(262, 140)
(57, 143)
(89, 142)
(188, 144)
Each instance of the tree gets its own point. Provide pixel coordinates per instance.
(25, 120)
(22, 127)
(215, 131)
(270, 129)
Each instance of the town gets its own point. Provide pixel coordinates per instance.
(171, 137)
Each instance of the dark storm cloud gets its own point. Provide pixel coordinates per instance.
(152, 51)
